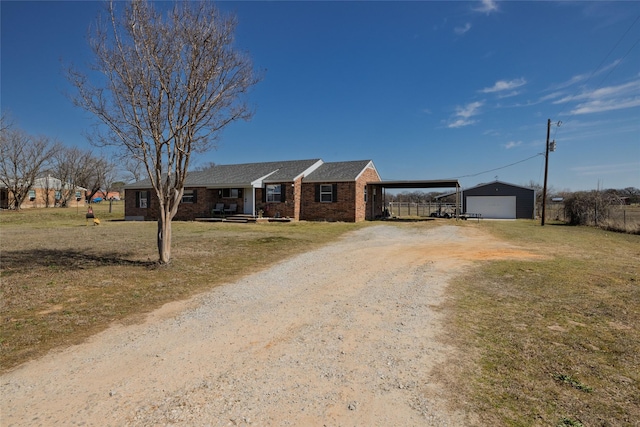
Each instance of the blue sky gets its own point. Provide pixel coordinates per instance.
(427, 90)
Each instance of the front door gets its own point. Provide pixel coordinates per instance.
(249, 196)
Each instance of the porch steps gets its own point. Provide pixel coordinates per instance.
(243, 219)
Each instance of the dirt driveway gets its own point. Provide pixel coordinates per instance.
(343, 335)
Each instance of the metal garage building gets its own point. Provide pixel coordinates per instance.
(500, 200)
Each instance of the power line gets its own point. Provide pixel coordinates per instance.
(578, 90)
(618, 63)
(600, 66)
(501, 167)
(614, 48)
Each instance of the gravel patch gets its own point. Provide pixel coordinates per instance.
(342, 335)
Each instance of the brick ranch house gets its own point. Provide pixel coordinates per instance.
(45, 192)
(302, 190)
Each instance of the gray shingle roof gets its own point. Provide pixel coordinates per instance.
(337, 171)
(243, 174)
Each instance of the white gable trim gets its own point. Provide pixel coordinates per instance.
(310, 169)
(259, 182)
(369, 165)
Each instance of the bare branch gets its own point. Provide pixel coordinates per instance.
(170, 84)
(23, 158)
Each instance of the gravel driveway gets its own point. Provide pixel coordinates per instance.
(345, 335)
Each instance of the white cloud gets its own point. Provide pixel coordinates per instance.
(598, 106)
(510, 94)
(512, 144)
(581, 130)
(572, 81)
(463, 114)
(605, 99)
(469, 110)
(578, 78)
(604, 92)
(551, 96)
(502, 85)
(492, 132)
(606, 169)
(487, 6)
(462, 30)
(460, 123)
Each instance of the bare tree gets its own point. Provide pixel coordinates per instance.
(134, 168)
(172, 83)
(108, 174)
(48, 189)
(99, 176)
(70, 166)
(5, 122)
(632, 193)
(22, 159)
(204, 166)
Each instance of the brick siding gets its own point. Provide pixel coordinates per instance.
(41, 197)
(299, 202)
(286, 209)
(214, 196)
(337, 210)
(368, 209)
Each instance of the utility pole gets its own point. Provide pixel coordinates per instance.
(551, 146)
(546, 170)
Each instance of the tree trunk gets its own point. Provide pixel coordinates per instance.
(17, 203)
(164, 241)
(170, 84)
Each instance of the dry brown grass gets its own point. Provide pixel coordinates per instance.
(545, 342)
(63, 281)
(549, 342)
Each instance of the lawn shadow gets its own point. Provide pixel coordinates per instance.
(69, 259)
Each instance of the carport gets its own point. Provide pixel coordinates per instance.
(380, 187)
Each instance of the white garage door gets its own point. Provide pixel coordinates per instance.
(499, 207)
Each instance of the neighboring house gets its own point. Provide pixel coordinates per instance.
(300, 189)
(500, 200)
(45, 192)
(103, 195)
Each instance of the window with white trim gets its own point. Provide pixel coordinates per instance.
(231, 193)
(189, 196)
(274, 193)
(32, 195)
(142, 199)
(326, 193)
